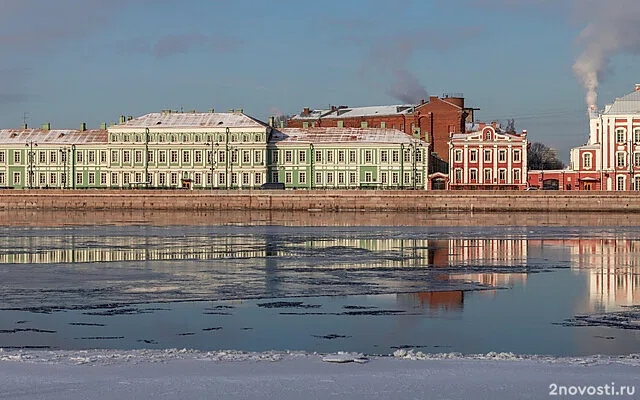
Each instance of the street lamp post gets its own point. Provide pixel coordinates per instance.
(234, 152)
(213, 160)
(31, 161)
(312, 157)
(73, 166)
(226, 158)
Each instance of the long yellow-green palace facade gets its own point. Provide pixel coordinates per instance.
(210, 151)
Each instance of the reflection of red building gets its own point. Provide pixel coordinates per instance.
(431, 121)
(450, 300)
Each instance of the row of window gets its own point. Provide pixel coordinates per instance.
(621, 135)
(488, 175)
(331, 178)
(136, 156)
(329, 156)
(219, 139)
(488, 154)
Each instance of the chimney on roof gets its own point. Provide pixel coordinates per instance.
(636, 87)
(83, 126)
(333, 108)
(24, 126)
(272, 121)
(47, 126)
(211, 111)
(305, 111)
(103, 126)
(421, 101)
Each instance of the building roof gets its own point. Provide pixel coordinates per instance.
(340, 135)
(355, 112)
(52, 137)
(311, 115)
(192, 120)
(629, 104)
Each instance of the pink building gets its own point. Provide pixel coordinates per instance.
(488, 158)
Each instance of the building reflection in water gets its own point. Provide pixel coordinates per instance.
(613, 263)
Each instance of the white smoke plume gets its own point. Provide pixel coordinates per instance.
(612, 28)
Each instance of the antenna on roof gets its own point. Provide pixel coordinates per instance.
(25, 118)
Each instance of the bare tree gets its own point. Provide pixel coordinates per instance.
(541, 157)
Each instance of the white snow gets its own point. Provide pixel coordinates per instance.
(186, 374)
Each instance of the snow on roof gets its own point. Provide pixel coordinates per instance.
(191, 120)
(352, 112)
(629, 104)
(312, 114)
(340, 135)
(52, 137)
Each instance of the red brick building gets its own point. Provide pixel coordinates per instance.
(488, 159)
(432, 121)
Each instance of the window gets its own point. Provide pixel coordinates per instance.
(620, 157)
(516, 156)
(329, 178)
(79, 157)
(473, 175)
(43, 157)
(274, 177)
(103, 178)
(3, 178)
(221, 156)
(186, 156)
(185, 138)
(2, 157)
(394, 178)
(502, 174)
(487, 134)
(138, 177)
(257, 156)
(198, 176)
(150, 156)
(174, 156)
(340, 178)
(502, 155)
(54, 177)
(395, 156)
(586, 160)
(92, 178)
(246, 157)
(352, 178)
(318, 178)
(384, 156)
(318, 156)
(636, 159)
(53, 157)
(42, 179)
(458, 156)
(305, 125)
(245, 176)
(340, 124)
(302, 156)
(407, 156)
(126, 156)
(174, 178)
(138, 156)
(288, 177)
(162, 157)
(234, 157)
(418, 155)
(329, 156)
(458, 173)
(16, 178)
(487, 155)
(383, 124)
(473, 156)
(352, 156)
(620, 185)
(222, 178)
(341, 156)
(516, 176)
(79, 178)
(209, 177)
(198, 157)
(302, 178)
(91, 155)
(368, 177)
(103, 157)
(288, 156)
(364, 124)
(114, 178)
(258, 178)
(636, 135)
(487, 176)
(114, 156)
(274, 156)
(407, 178)
(383, 178)
(368, 156)
(16, 157)
(620, 135)
(418, 178)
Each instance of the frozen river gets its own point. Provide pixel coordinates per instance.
(552, 290)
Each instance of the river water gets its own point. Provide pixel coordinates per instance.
(531, 284)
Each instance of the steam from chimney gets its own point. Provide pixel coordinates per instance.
(612, 29)
(406, 87)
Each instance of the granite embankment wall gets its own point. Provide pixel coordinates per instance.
(286, 200)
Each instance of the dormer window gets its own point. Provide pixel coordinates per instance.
(487, 134)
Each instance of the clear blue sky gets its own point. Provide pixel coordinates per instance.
(68, 61)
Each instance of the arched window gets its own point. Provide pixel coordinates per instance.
(487, 134)
(160, 138)
(114, 138)
(173, 138)
(184, 138)
(209, 138)
(233, 138)
(197, 139)
(138, 138)
(244, 138)
(125, 138)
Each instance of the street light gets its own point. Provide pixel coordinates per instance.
(212, 160)
(30, 159)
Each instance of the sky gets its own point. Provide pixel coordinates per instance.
(537, 61)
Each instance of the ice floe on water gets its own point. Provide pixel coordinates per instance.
(627, 318)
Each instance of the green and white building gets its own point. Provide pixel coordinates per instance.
(209, 151)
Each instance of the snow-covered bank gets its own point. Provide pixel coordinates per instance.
(185, 374)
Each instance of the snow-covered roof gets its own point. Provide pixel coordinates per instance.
(312, 114)
(340, 135)
(629, 104)
(191, 120)
(354, 112)
(52, 137)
